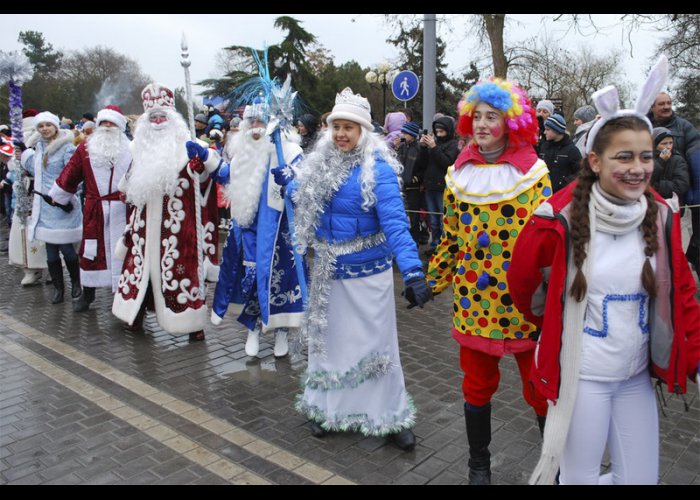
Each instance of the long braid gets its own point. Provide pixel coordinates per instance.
(651, 244)
(580, 227)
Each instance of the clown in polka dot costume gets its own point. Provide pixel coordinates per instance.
(492, 189)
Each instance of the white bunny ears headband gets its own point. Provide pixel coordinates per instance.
(607, 100)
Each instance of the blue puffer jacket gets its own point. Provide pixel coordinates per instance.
(345, 220)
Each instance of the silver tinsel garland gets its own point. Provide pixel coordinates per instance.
(326, 255)
(323, 173)
(23, 201)
(370, 367)
(390, 424)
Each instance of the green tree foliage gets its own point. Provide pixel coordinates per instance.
(449, 90)
(332, 79)
(682, 46)
(548, 71)
(95, 77)
(42, 90)
(39, 52)
(70, 85)
(286, 58)
(314, 75)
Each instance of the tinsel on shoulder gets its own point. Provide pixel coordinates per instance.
(23, 200)
(323, 172)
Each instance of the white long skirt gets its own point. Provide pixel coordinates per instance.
(359, 384)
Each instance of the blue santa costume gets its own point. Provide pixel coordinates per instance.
(258, 279)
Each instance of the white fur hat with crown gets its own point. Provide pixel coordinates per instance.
(352, 107)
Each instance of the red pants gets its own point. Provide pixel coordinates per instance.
(481, 377)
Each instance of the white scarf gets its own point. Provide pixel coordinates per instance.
(606, 216)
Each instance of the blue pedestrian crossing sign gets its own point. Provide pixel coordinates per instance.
(405, 85)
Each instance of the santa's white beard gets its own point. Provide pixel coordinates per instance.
(105, 146)
(157, 158)
(249, 165)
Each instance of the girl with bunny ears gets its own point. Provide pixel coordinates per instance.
(600, 269)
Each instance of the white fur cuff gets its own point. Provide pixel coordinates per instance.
(213, 161)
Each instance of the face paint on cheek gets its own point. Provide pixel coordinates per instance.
(628, 177)
(496, 130)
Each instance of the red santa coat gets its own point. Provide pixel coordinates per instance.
(171, 243)
(104, 214)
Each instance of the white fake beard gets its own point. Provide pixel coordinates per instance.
(249, 165)
(105, 146)
(158, 153)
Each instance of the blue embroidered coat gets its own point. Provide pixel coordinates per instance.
(344, 220)
(270, 290)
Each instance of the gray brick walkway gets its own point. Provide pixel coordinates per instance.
(82, 401)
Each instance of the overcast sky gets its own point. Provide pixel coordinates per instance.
(154, 40)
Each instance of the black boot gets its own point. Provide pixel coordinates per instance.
(540, 423)
(405, 439)
(56, 272)
(317, 430)
(478, 420)
(85, 299)
(74, 271)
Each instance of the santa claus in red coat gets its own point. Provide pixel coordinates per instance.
(170, 242)
(100, 162)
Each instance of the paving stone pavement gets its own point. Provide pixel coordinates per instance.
(82, 401)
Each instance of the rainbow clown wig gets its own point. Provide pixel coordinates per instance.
(510, 100)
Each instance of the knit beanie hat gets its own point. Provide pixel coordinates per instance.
(557, 123)
(547, 105)
(411, 128)
(47, 117)
(585, 113)
(353, 107)
(199, 117)
(659, 134)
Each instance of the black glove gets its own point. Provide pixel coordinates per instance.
(417, 292)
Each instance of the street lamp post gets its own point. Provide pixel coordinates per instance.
(384, 75)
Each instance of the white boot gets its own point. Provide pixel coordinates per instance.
(252, 345)
(31, 276)
(281, 346)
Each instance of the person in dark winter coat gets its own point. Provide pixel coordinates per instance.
(559, 152)
(307, 125)
(670, 169)
(686, 139)
(412, 157)
(442, 151)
